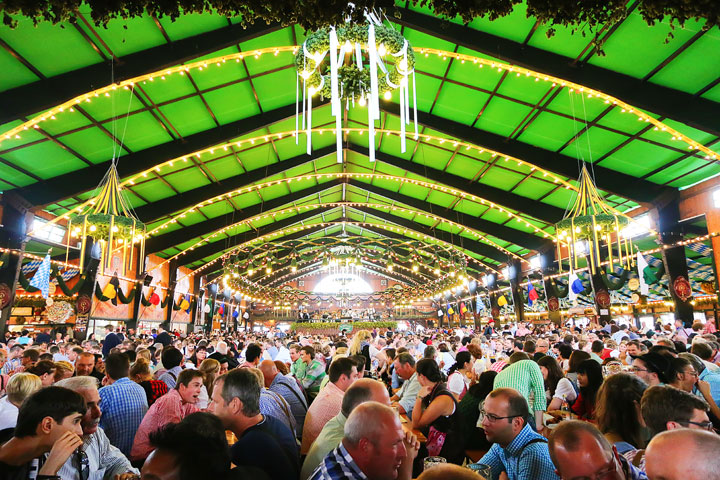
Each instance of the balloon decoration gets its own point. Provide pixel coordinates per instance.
(155, 299)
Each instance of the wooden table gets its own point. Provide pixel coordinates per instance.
(407, 426)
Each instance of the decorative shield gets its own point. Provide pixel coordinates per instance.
(83, 305)
(495, 312)
(603, 298)
(682, 288)
(553, 304)
(633, 284)
(5, 295)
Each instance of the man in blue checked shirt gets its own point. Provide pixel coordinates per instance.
(517, 449)
(123, 403)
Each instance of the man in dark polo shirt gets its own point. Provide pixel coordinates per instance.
(263, 441)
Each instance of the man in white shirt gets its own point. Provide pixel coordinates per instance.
(97, 458)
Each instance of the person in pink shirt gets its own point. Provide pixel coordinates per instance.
(343, 372)
(170, 408)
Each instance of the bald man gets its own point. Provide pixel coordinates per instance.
(287, 388)
(374, 447)
(363, 390)
(696, 460)
(579, 450)
(445, 471)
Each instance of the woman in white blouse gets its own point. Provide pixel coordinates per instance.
(459, 378)
(557, 387)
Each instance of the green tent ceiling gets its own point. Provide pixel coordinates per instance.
(487, 174)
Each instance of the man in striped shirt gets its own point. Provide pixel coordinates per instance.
(525, 377)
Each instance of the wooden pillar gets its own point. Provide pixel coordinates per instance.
(15, 217)
(172, 281)
(668, 219)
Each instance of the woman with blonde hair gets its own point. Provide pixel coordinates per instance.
(20, 386)
(63, 369)
(361, 346)
(140, 373)
(210, 369)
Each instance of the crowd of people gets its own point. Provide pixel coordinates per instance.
(527, 402)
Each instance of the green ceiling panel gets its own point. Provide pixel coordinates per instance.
(55, 161)
(195, 117)
(109, 105)
(217, 209)
(93, 145)
(502, 116)
(561, 198)
(698, 176)
(703, 53)
(713, 94)
(169, 89)
(548, 131)
(244, 105)
(577, 106)
(56, 42)
(143, 132)
(640, 60)
(258, 157)
(187, 180)
(593, 144)
(152, 191)
(277, 89)
(427, 90)
(14, 72)
(522, 88)
(11, 175)
(670, 173)
(637, 160)
(464, 166)
(67, 121)
(459, 103)
(564, 42)
(125, 36)
(534, 188)
(192, 24)
(500, 178)
(514, 26)
(213, 75)
(475, 75)
(441, 198)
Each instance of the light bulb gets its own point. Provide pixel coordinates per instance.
(381, 50)
(361, 102)
(388, 95)
(115, 229)
(93, 228)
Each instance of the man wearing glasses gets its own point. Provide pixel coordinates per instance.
(667, 408)
(651, 368)
(683, 376)
(580, 452)
(517, 449)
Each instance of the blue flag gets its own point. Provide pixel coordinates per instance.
(41, 279)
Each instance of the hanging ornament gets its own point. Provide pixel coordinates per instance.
(354, 63)
(110, 221)
(590, 222)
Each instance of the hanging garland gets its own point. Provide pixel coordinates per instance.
(315, 14)
(616, 284)
(25, 283)
(122, 298)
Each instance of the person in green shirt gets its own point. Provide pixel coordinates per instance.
(314, 371)
(297, 368)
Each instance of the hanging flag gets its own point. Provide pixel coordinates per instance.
(479, 304)
(185, 303)
(574, 286)
(502, 301)
(41, 279)
(532, 294)
(450, 310)
(645, 274)
(111, 289)
(463, 308)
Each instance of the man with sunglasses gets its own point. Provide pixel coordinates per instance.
(97, 458)
(580, 451)
(518, 451)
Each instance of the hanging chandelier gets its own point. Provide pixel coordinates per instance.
(589, 223)
(355, 63)
(109, 220)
